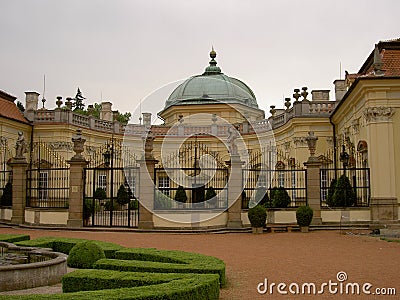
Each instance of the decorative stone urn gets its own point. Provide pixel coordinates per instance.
(79, 142)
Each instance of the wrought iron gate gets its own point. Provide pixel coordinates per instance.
(111, 184)
(194, 176)
(47, 184)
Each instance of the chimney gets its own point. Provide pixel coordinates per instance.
(146, 119)
(31, 100)
(340, 89)
(320, 95)
(106, 112)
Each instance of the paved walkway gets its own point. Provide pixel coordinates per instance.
(295, 257)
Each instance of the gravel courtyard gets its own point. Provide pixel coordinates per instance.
(288, 258)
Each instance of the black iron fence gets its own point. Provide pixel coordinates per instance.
(105, 204)
(357, 180)
(293, 181)
(190, 188)
(47, 187)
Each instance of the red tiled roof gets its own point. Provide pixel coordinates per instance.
(8, 109)
(390, 54)
(391, 63)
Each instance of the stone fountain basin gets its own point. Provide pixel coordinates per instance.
(30, 275)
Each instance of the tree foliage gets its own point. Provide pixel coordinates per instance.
(122, 195)
(6, 198)
(280, 197)
(78, 101)
(180, 195)
(343, 193)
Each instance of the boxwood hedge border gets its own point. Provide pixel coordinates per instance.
(133, 273)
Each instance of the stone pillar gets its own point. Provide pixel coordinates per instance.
(384, 203)
(19, 167)
(146, 193)
(235, 192)
(76, 182)
(313, 184)
(76, 190)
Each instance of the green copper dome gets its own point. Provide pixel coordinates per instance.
(212, 87)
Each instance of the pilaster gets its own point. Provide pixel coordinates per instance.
(235, 192)
(19, 167)
(146, 193)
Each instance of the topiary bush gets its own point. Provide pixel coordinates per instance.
(133, 204)
(100, 194)
(304, 215)
(111, 205)
(280, 197)
(6, 198)
(180, 195)
(122, 195)
(343, 195)
(257, 216)
(331, 191)
(84, 255)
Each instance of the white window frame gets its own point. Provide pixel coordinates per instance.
(102, 181)
(164, 185)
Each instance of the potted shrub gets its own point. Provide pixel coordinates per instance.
(211, 196)
(257, 217)
(304, 215)
(280, 197)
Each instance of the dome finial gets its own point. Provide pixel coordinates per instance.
(213, 54)
(212, 68)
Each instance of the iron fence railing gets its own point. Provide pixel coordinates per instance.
(107, 211)
(196, 185)
(47, 187)
(359, 179)
(292, 180)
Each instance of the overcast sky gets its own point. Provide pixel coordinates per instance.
(124, 50)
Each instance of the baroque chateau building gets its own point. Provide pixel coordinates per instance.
(216, 150)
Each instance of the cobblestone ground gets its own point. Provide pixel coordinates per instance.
(314, 257)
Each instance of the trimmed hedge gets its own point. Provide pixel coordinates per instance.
(13, 238)
(195, 287)
(179, 261)
(84, 255)
(64, 245)
(92, 280)
(163, 274)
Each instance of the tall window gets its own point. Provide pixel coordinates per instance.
(280, 166)
(163, 185)
(102, 181)
(43, 185)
